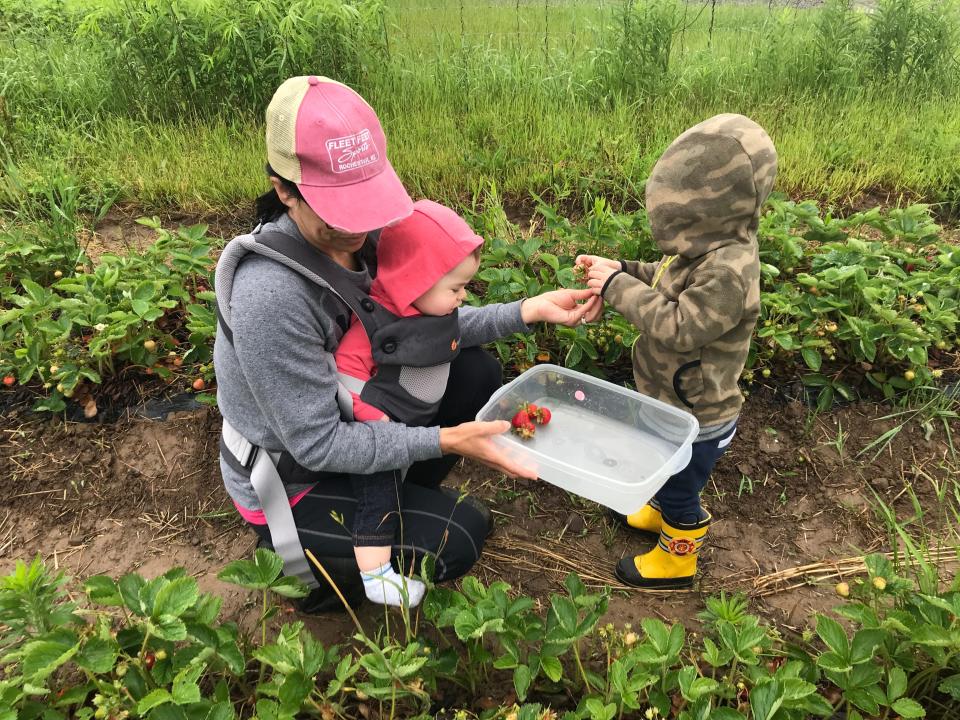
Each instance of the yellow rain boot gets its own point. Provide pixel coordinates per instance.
(646, 521)
(672, 564)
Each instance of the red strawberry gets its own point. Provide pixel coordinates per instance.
(909, 268)
(9, 380)
(520, 420)
(148, 660)
(543, 416)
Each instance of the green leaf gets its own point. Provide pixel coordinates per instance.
(98, 655)
(470, 627)
(675, 641)
(185, 687)
(896, 683)
(951, 686)
(221, 711)
(864, 643)
(815, 380)
(42, 657)
(723, 713)
(552, 668)
(130, 586)
(170, 628)
(932, 636)
(176, 597)
(290, 586)
(257, 574)
(908, 709)
(818, 705)
(765, 700)
(795, 688)
(551, 260)
(825, 399)
(812, 358)
(295, 689)
(785, 340)
(917, 354)
(102, 590)
(658, 634)
(832, 661)
(565, 612)
(599, 711)
(36, 293)
(275, 657)
(144, 291)
(863, 700)
(521, 681)
(31, 689)
(153, 699)
(833, 634)
(74, 696)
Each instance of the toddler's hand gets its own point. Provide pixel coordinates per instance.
(598, 275)
(589, 261)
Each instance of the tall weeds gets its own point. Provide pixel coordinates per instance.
(169, 58)
(913, 42)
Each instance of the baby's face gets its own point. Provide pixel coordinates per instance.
(450, 291)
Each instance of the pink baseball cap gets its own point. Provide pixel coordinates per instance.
(325, 138)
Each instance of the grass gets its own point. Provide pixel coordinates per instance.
(214, 166)
(528, 96)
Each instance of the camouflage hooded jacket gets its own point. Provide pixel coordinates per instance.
(697, 307)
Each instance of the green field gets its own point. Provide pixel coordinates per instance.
(564, 99)
(828, 587)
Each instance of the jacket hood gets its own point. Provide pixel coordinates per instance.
(708, 187)
(413, 254)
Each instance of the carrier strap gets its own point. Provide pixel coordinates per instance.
(273, 499)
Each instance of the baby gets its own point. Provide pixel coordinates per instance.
(423, 266)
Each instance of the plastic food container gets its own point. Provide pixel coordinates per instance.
(605, 443)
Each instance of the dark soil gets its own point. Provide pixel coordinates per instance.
(145, 495)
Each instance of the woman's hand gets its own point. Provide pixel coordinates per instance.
(475, 440)
(561, 307)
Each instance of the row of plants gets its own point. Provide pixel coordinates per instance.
(158, 648)
(864, 303)
(67, 323)
(868, 300)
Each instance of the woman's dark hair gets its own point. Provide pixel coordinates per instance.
(269, 207)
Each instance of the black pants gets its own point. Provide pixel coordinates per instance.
(431, 521)
(377, 514)
(679, 499)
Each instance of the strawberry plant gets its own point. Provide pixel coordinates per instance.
(849, 303)
(128, 310)
(516, 265)
(876, 309)
(156, 648)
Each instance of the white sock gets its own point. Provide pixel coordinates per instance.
(385, 585)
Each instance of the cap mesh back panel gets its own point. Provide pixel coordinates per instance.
(282, 127)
